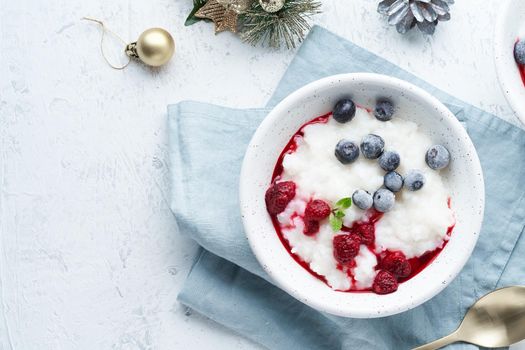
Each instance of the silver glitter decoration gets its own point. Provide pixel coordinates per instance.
(239, 6)
(271, 6)
(406, 14)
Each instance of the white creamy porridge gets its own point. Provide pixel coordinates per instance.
(417, 224)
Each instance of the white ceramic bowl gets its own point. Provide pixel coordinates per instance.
(463, 176)
(510, 25)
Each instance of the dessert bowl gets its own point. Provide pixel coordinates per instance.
(510, 25)
(463, 178)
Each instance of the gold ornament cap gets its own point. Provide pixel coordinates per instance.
(154, 47)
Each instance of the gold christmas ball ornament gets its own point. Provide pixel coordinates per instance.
(271, 5)
(154, 47)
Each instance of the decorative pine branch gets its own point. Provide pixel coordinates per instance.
(288, 25)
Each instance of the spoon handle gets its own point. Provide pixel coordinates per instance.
(439, 343)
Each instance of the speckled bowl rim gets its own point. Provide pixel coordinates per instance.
(286, 274)
(505, 33)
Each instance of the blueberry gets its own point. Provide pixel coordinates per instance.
(389, 160)
(393, 181)
(344, 110)
(437, 157)
(384, 200)
(384, 110)
(519, 52)
(362, 199)
(414, 180)
(346, 151)
(372, 146)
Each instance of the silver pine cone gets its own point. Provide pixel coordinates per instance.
(406, 14)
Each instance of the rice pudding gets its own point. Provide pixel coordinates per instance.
(358, 200)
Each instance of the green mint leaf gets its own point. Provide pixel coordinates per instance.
(344, 203)
(339, 214)
(336, 223)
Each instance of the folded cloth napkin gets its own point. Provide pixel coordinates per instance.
(207, 144)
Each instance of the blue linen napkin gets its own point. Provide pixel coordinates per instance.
(227, 284)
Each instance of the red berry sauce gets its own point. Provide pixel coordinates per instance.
(417, 264)
(522, 72)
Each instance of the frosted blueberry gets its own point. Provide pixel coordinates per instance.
(393, 181)
(389, 160)
(346, 151)
(344, 110)
(384, 110)
(372, 146)
(362, 199)
(384, 200)
(519, 52)
(437, 157)
(414, 180)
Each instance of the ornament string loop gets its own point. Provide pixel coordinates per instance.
(104, 30)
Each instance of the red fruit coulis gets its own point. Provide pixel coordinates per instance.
(417, 264)
(522, 72)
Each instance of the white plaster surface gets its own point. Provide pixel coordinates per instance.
(90, 256)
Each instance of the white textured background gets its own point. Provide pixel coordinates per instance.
(90, 257)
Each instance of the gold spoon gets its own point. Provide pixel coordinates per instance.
(495, 320)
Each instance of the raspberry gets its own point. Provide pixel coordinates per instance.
(367, 233)
(317, 210)
(278, 196)
(346, 247)
(396, 263)
(311, 227)
(384, 283)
